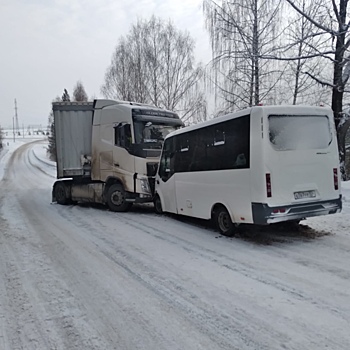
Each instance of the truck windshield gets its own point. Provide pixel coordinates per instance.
(299, 132)
(151, 133)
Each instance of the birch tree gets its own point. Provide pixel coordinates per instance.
(242, 33)
(154, 64)
(332, 22)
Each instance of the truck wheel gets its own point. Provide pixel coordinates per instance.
(158, 205)
(61, 194)
(223, 221)
(116, 199)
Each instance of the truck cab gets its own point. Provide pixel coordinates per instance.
(116, 150)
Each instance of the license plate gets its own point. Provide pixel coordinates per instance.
(304, 194)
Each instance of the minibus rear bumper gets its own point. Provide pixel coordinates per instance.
(264, 214)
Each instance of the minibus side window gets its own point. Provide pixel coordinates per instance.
(183, 151)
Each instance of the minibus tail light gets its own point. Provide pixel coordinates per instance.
(335, 178)
(268, 185)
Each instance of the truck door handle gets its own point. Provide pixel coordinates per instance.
(116, 164)
(157, 182)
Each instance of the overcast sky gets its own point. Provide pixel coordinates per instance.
(48, 45)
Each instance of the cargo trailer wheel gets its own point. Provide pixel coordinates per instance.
(223, 221)
(158, 205)
(61, 194)
(116, 199)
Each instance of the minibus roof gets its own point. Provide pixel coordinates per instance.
(271, 109)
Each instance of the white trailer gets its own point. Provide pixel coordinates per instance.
(261, 165)
(108, 151)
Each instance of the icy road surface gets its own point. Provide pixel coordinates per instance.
(81, 277)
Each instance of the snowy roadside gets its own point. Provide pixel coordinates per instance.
(6, 152)
(39, 159)
(337, 223)
(39, 152)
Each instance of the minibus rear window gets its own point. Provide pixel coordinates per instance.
(299, 132)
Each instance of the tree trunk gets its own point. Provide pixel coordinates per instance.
(255, 55)
(341, 134)
(299, 63)
(338, 86)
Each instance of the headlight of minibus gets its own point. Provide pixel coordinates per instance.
(145, 185)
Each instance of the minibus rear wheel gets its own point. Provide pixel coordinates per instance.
(223, 221)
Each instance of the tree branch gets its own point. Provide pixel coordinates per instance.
(271, 57)
(335, 9)
(323, 83)
(318, 25)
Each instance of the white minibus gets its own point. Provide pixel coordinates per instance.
(261, 165)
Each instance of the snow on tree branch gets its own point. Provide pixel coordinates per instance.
(294, 58)
(317, 24)
(323, 83)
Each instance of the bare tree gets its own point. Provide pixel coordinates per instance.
(79, 94)
(331, 21)
(1, 138)
(154, 64)
(242, 33)
(303, 39)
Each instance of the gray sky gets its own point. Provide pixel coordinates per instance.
(48, 45)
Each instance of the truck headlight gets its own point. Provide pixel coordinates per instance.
(145, 185)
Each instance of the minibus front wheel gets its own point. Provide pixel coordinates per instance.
(158, 205)
(223, 222)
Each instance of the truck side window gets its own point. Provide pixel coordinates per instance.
(122, 135)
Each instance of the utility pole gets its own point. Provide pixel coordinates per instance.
(13, 128)
(17, 125)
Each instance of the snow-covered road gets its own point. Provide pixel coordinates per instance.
(81, 277)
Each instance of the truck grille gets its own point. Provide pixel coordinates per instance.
(152, 169)
(152, 184)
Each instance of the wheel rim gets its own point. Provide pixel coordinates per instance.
(117, 198)
(224, 221)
